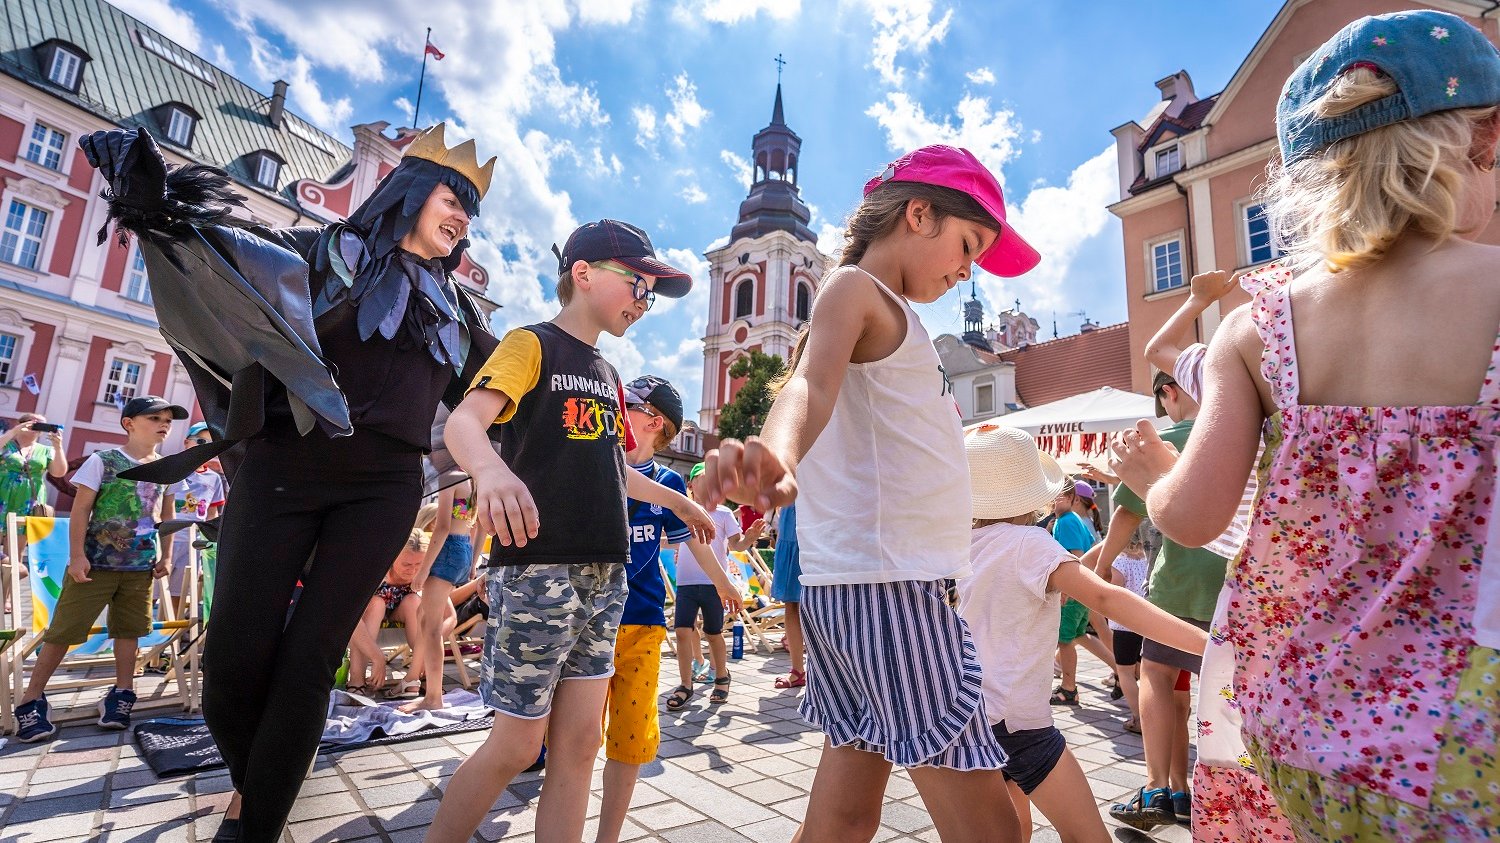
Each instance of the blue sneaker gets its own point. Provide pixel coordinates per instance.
(32, 721)
(1149, 809)
(114, 709)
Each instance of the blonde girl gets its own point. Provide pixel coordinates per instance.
(447, 564)
(868, 427)
(1362, 612)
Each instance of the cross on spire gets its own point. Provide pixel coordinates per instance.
(780, 63)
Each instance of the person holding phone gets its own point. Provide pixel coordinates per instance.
(30, 450)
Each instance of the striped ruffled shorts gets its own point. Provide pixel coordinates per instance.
(893, 670)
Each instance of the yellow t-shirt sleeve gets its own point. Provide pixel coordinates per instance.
(514, 368)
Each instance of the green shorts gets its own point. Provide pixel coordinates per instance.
(1075, 621)
(126, 593)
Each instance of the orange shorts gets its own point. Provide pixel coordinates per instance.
(632, 728)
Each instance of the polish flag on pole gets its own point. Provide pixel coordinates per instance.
(434, 51)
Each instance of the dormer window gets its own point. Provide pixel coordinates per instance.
(178, 121)
(62, 62)
(1168, 160)
(265, 168)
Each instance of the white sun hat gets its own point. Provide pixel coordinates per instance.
(1008, 474)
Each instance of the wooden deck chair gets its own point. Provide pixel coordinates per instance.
(760, 614)
(47, 562)
(668, 562)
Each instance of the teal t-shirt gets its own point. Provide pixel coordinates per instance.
(1185, 580)
(1072, 533)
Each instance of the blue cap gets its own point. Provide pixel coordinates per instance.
(1437, 60)
(197, 428)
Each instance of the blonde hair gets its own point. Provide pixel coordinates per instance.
(1345, 206)
(882, 210)
(426, 517)
(417, 541)
(1025, 519)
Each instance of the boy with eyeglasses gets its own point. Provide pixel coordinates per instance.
(554, 497)
(199, 498)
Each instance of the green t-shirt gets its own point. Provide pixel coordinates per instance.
(1185, 580)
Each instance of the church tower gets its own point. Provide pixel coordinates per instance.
(762, 283)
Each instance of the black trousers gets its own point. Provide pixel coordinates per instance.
(347, 503)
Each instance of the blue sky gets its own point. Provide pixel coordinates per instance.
(644, 111)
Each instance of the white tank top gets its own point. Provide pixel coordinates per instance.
(884, 491)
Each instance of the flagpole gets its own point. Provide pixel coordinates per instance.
(416, 110)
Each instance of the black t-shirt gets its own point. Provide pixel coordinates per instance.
(564, 436)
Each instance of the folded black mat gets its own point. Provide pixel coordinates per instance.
(182, 746)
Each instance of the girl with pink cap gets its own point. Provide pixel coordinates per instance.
(866, 428)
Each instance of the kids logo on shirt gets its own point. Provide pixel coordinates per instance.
(589, 418)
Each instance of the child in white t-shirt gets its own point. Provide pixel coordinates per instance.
(1013, 604)
(704, 587)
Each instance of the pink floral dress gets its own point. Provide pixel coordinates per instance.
(1368, 708)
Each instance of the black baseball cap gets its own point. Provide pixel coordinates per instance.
(650, 389)
(612, 240)
(143, 404)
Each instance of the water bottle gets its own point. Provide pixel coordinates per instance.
(738, 651)
(341, 678)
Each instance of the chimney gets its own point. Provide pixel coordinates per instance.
(1088, 326)
(1177, 86)
(278, 104)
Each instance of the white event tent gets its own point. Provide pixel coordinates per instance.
(1076, 430)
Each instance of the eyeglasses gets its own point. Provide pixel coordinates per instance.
(200, 440)
(642, 292)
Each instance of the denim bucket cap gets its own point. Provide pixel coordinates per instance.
(1437, 60)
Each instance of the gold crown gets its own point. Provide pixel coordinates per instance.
(429, 146)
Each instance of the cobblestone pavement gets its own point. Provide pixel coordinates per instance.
(728, 774)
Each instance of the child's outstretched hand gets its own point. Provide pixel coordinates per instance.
(1140, 457)
(748, 472)
(1212, 285)
(698, 520)
(503, 506)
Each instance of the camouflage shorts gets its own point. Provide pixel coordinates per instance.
(548, 623)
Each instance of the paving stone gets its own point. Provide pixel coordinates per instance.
(69, 772)
(28, 810)
(123, 798)
(60, 756)
(400, 793)
(72, 787)
(705, 832)
(148, 814)
(63, 827)
(326, 805)
(347, 827)
(667, 815)
(407, 815)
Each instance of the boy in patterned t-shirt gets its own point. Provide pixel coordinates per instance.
(114, 554)
(554, 497)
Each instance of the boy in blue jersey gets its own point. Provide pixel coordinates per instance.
(632, 733)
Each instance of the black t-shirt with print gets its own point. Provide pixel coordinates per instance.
(565, 443)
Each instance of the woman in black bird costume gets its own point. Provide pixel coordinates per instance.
(320, 356)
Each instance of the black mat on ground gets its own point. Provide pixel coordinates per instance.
(176, 746)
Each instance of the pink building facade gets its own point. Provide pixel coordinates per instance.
(1190, 170)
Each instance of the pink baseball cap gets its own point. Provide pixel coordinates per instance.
(958, 169)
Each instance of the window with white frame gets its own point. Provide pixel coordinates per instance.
(65, 68)
(267, 170)
(179, 126)
(1260, 246)
(1166, 265)
(136, 286)
(9, 345)
(744, 298)
(46, 146)
(1168, 160)
(22, 236)
(122, 382)
(984, 398)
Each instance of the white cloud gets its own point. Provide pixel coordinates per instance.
(991, 135)
(645, 125)
(303, 89)
(981, 76)
(687, 113)
(739, 166)
(402, 105)
(693, 194)
(1059, 221)
(734, 11)
(607, 12)
(901, 26)
(165, 18)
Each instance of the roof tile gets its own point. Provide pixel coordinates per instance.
(1061, 368)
